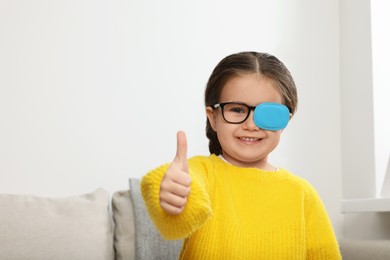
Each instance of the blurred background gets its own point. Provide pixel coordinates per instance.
(93, 92)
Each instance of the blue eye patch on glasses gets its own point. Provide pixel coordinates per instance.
(271, 116)
(267, 116)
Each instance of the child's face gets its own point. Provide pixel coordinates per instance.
(245, 144)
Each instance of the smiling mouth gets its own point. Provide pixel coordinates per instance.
(250, 139)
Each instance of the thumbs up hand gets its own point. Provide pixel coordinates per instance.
(175, 185)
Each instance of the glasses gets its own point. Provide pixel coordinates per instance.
(268, 116)
(234, 112)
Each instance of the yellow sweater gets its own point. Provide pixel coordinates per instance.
(244, 213)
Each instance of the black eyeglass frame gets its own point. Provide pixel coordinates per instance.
(222, 105)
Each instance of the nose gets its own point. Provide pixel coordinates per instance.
(249, 123)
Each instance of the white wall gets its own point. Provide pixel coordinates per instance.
(381, 90)
(364, 99)
(357, 100)
(93, 92)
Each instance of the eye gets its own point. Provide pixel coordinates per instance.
(237, 108)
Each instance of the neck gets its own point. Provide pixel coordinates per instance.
(262, 164)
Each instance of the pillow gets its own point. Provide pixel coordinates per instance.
(77, 227)
(124, 235)
(149, 243)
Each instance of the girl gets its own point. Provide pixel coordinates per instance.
(234, 204)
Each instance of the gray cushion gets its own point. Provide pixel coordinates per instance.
(149, 243)
(38, 228)
(123, 214)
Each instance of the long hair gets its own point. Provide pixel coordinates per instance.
(247, 63)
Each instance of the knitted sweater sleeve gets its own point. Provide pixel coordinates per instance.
(321, 241)
(196, 212)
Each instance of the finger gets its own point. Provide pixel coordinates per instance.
(171, 209)
(182, 178)
(173, 200)
(175, 188)
(181, 151)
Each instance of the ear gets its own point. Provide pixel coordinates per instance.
(211, 116)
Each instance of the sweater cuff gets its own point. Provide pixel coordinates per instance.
(196, 212)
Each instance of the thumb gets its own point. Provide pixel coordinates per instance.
(181, 151)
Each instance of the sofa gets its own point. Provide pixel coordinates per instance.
(99, 225)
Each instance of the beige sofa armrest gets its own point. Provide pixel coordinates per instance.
(365, 249)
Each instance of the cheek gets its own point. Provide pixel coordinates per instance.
(274, 136)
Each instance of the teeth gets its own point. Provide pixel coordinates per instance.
(249, 139)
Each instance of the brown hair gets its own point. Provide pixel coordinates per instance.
(246, 63)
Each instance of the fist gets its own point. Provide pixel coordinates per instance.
(175, 185)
